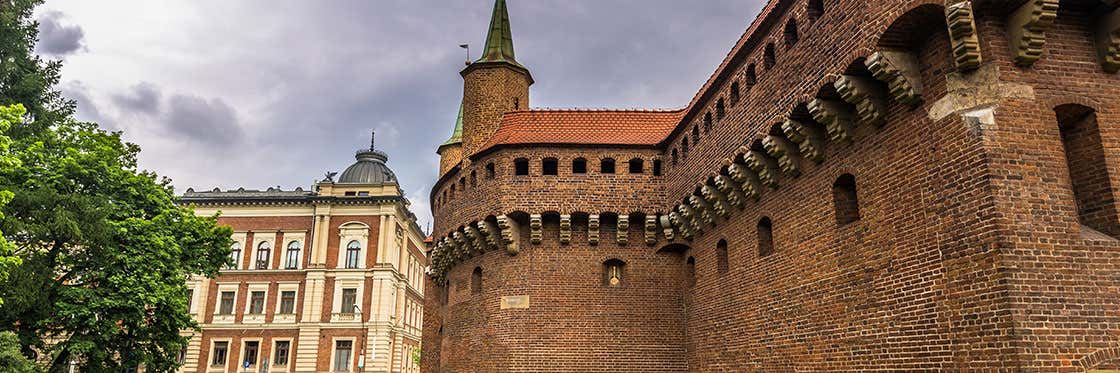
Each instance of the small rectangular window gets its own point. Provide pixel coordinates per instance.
(521, 167)
(606, 166)
(227, 303)
(220, 351)
(251, 349)
(287, 302)
(342, 351)
(280, 355)
(550, 166)
(351, 194)
(256, 302)
(579, 166)
(349, 300)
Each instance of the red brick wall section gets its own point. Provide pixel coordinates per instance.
(968, 253)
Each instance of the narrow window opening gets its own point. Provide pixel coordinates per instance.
(521, 167)
(721, 110)
(606, 166)
(637, 166)
(676, 157)
(251, 349)
(613, 272)
(516, 103)
(287, 302)
(765, 237)
(281, 353)
(234, 256)
(474, 179)
(342, 351)
(816, 9)
(476, 281)
(845, 199)
(463, 184)
(769, 58)
(684, 146)
(353, 254)
(690, 271)
(752, 76)
(696, 129)
(291, 261)
(489, 171)
(550, 166)
(791, 33)
(721, 256)
(579, 166)
(657, 167)
(226, 307)
(1088, 172)
(735, 93)
(264, 251)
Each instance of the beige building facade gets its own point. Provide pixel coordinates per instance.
(325, 280)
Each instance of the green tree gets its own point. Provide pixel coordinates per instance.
(11, 360)
(105, 248)
(8, 116)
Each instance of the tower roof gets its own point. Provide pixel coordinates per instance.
(457, 134)
(499, 41)
(370, 168)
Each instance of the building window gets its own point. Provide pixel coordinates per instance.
(288, 302)
(690, 271)
(752, 76)
(353, 254)
(463, 184)
(342, 352)
(292, 259)
(221, 349)
(349, 300)
(845, 200)
(474, 179)
(769, 59)
(1088, 172)
(684, 146)
(579, 166)
(489, 171)
(606, 166)
(476, 281)
(521, 167)
(614, 271)
(656, 167)
(264, 251)
(676, 157)
(516, 103)
(256, 302)
(637, 166)
(190, 299)
(721, 256)
(721, 109)
(696, 129)
(226, 307)
(735, 93)
(251, 349)
(550, 166)
(791, 33)
(765, 237)
(234, 256)
(816, 9)
(280, 353)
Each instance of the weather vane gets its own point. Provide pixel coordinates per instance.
(468, 48)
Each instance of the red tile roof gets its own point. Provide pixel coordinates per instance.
(584, 127)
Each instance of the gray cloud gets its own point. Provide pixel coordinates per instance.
(211, 122)
(57, 39)
(87, 109)
(142, 98)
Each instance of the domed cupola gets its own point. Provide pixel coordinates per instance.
(370, 168)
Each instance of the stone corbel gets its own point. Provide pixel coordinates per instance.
(565, 229)
(1108, 39)
(704, 210)
(535, 229)
(836, 118)
(786, 152)
(900, 71)
(511, 232)
(717, 200)
(684, 227)
(731, 190)
(623, 231)
(667, 227)
(462, 246)
(762, 166)
(689, 216)
(810, 140)
(475, 238)
(962, 33)
(490, 234)
(747, 179)
(452, 250)
(1026, 29)
(593, 229)
(866, 95)
(651, 230)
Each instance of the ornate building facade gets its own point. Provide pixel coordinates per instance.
(903, 185)
(327, 280)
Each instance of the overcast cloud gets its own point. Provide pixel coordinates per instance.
(269, 93)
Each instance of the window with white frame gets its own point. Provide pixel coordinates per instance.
(227, 300)
(235, 256)
(291, 257)
(287, 302)
(218, 353)
(353, 254)
(250, 352)
(343, 351)
(264, 254)
(349, 300)
(280, 353)
(352, 251)
(256, 302)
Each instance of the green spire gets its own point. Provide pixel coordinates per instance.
(499, 42)
(457, 135)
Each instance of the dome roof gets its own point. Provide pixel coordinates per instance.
(370, 168)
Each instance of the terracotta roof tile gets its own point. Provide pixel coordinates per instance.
(584, 127)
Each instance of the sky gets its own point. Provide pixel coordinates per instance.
(267, 93)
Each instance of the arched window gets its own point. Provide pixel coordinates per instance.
(235, 256)
(1088, 172)
(264, 253)
(769, 59)
(791, 33)
(637, 166)
(656, 167)
(765, 237)
(579, 166)
(474, 179)
(752, 76)
(676, 156)
(735, 93)
(816, 9)
(463, 184)
(291, 259)
(353, 254)
(489, 170)
(690, 271)
(721, 256)
(614, 272)
(696, 129)
(476, 281)
(684, 146)
(606, 166)
(550, 166)
(521, 167)
(845, 200)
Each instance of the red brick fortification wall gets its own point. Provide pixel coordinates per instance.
(573, 322)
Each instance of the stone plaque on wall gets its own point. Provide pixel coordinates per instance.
(515, 302)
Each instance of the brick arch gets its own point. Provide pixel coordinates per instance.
(1053, 102)
(1099, 358)
(912, 24)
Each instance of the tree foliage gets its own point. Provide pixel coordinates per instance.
(11, 360)
(105, 248)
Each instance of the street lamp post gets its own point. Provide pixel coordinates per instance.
(362, 355)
